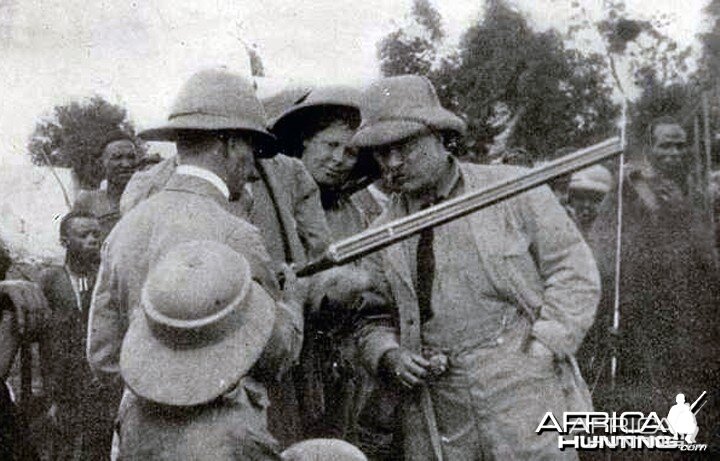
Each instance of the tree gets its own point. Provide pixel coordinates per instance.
(413, 47)
(73, 135)
(647, 66)
(517, 87)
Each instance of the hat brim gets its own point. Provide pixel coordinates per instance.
(396, 129)
(201, 122)
(303, 113)
(386, 132)
(183, 376)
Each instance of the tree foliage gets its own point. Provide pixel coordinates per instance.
(515, 86)
(413, 47)
(651, 56)
(73, 135)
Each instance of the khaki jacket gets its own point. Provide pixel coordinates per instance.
(294, 227)
(531, 253)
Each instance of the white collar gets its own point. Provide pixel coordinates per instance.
(207, 175)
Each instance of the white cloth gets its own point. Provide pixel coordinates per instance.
(80, 285)
(207, 175)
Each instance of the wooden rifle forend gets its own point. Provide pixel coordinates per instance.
(374, 239)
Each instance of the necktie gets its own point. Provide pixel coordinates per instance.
(425, 274)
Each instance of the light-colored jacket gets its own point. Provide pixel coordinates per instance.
(187, 209)
(294, 227)
(531, 253)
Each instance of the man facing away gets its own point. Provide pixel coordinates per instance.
(485, 312)
(217, 123)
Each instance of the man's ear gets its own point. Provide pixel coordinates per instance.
(64, 242)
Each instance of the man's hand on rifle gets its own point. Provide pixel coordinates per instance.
(31, 307)
(406, 367)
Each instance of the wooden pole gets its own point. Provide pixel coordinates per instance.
(707, 159)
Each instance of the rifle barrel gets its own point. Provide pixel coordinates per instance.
(374, 239)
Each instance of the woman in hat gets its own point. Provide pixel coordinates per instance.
(317, 128)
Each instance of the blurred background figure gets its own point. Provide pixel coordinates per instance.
(667, 339)
(120, 160)
(586, 191)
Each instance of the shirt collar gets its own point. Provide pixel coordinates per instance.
(207, 175)
(449, 182)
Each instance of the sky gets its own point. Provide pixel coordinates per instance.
(138, 53)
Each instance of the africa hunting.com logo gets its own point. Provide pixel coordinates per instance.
(628, 430)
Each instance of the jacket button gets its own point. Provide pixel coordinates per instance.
(499, 341)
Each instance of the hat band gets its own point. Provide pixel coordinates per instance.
(196, 112)
(197, 332)
(403, 119)
(175, 337)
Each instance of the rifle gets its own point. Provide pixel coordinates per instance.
(371, 240)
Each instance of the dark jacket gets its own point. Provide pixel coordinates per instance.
(86, 408)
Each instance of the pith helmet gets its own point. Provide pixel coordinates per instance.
(278, 103)
(395, 108)
(203, 325)
(323, 450)
(335, 102)
(595, 178)
(214, 100)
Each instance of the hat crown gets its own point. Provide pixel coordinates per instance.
(195, 283)
(219, 93)
(314, 103)
(398, 98)
(333, 95)
(395, 108)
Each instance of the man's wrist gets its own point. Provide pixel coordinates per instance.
(387, 360)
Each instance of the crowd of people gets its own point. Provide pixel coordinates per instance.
(177, 329)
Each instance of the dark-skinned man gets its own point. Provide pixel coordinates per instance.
(82, 408)
(667, 340)
(485, 312)
(119, 161)
(218, 125)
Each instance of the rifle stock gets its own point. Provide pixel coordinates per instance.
(374, 239)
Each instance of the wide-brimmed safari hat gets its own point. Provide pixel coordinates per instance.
(323, 450)
(396, 108)
(214, 100)
(325, 102)
(314, 109)
(203, 325)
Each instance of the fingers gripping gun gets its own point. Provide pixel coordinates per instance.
(372, 240)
